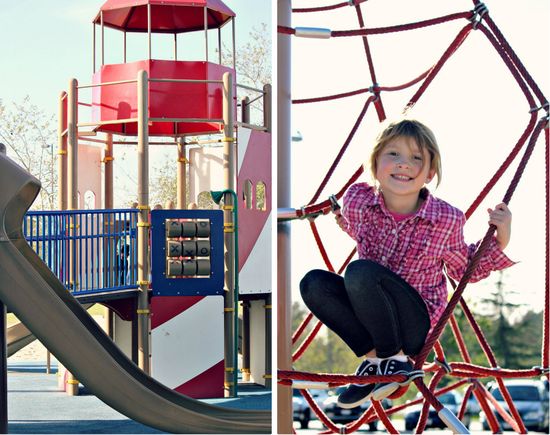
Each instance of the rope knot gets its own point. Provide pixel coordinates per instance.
(543, 370)
(374, 89)
(477, 14)
(443, 364)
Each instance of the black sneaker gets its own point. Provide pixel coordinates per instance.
(394, 367)
(356, 394)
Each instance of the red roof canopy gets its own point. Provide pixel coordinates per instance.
(167, 16)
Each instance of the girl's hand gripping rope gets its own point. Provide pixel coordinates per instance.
(340, 220)
(501, 217)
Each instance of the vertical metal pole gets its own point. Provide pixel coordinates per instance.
(149, 29)
(268, 346)
(62, 153)
(267, 107)
(175, 46)
(72, 144)
(284, 297)
(72, 172)
(229, 236)
(220, 45)
(245, 343)
(3, 371)
(124, 46)
(245, 110)
(93, 48)
(233, 42)
(182, 175)
(109, 202)
(206, 31)
(143, 221)
(102, 40)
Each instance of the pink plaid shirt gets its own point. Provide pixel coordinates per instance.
(419, 246)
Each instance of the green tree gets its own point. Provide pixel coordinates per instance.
(30, 135)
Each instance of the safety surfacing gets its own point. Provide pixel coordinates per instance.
(35, 405)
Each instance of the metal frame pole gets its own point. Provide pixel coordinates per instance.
(62, 153)
(181, 182)
(175, 46)
(284, 296)
(268, 343)
(245, 341)
(109, 202)
(267, 107)
(72, 197)
(143, 221)
(233, 42)
(229, 172)
(3, 371)
(206, 31)
(149, 29)
(124, 47)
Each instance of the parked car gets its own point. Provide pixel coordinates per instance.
(300, 408)
(340, 415)
(531, 400)
(451, 400)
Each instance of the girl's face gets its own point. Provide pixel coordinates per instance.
(402, 168)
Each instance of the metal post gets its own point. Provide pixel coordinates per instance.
(143, 221)
(93, 48)
(245, 342)
(233, 42)
(175, 46)
(124, 46)
(206, 31)
(245, 110)
(267, 107)
(181, 203)
(109, 203)
(102, 40)
(229, 236)
(62, 153)
(72, 172)
(149, 29)
(3, 371)
(284, 297)
(268, 320)
(220, 45)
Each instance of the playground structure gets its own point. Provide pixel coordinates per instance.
(185, 282)
(467, 373)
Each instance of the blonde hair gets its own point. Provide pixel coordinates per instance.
(409, 128)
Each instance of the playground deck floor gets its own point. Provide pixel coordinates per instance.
(35, 405)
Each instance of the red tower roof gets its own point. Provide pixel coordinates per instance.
(167, 16)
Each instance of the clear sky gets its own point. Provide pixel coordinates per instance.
(46, 43)
(474, 107)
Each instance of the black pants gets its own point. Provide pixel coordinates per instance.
(369, 308)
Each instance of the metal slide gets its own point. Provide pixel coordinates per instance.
(41, 302)
(18, 336)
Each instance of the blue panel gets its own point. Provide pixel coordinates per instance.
(166, 285)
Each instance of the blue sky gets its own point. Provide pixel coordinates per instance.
(45, 43)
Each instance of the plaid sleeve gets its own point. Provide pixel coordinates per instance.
(458, 255)
(353, 203)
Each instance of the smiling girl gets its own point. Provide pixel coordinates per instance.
(387, 301)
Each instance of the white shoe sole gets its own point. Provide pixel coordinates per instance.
(356, 403)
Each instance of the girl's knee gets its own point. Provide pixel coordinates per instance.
(309, 282)
(360, 270)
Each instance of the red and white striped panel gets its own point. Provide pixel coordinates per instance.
(187, 344)
(255, 226)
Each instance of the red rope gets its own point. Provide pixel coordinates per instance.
(305, 344)
(320, 8)
(298, 333)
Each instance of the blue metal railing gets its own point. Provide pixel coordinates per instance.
(90, 251)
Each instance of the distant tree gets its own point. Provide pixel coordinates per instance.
(30, 136)
(253, 66)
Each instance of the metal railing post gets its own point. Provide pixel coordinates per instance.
(229, 171)
(143, 221)
(181, 176)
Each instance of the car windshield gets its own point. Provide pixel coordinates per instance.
(520, 393)
(447, 399)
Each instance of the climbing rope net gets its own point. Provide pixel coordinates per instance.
(466, 373)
